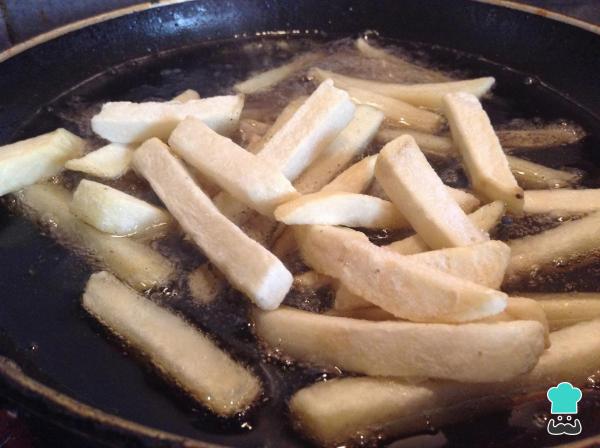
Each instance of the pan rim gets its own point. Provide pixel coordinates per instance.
(13, 376)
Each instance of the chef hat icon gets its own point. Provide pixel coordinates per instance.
(564, 398)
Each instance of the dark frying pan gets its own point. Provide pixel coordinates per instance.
(54, 361)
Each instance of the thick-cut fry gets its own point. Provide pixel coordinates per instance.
(394, 282)
(112, 211)
(110, 161)
(568, 241)
(399, 111)
(349, 144)
(180, 351)
(533, 175)
(125, 122)
(565, 309)
(205, 283)
(339, 208)
(247, 265)
(422, 198)
(186, 95)
(267, 79)
(340, 410)
(420, 95)
(242, 174)
(355, 179)
(483, 157)
(562, 201)
(434, 145)
(473, 352)
(132, 261)
(29, 161)
(539, 138)
(309, 131)
(484, 218)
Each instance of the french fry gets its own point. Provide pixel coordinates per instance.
(344, 409)
(180, 351)
(568, 241)
(267, 79)
(566, 309)
(392, 281)
(132, 261)
(309, 131)
(422, 198)
(473, 352)
(205, 283)
(110, 161)
(312, 280)
(484, 218)
(112, 211)
(185, 96)
(355, 179)
(125, 122)
(434, 145)
(484, 160)
(339, 208)
(533, 175)
(427, 95)
(265, 280)
(348, 144)
(396, 110)
(562, 201)
(539, 138)
(35, 159)
(249, 179)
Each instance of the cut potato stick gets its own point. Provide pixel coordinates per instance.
(539, 138)
(312, 280)
(35, 159)
(427, 95)
(205, 283)
(392, 281)
(417, 191)
(434, 145)
(313, 126)
(112, 211)
(267, 79)
(565, 309)
(247, 178)
(349, 144)
(562, 201)
(265, 280)
(125, 122)
(339, 208)
(355, 179)
(399, 111)
(568, 241)
(185, 96)
(342, 410)
(472, 352)
(533, 175)
(110, 161)
(132, 261)
(484, 160)
(180, 351)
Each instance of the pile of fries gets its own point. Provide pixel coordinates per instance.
(422, 320)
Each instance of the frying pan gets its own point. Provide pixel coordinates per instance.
(54, 361)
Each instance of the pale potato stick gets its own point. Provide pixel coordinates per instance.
(434, 145)
(427, 95)
(205, 283)
(186, 95)
(35, 159)
(533, 175)
(341, 410)
(565, 309)
(356, 178)
(264, 280)
(346, 300)
(267, 79)
(417, 191)
(132, 261)
(485, 218)
(392, 281)
(125, 122)
(180, 351)
(339, 208)
(313, 126)
(539, 138)
(113, 211)
(251, 132)
(562, 201)
(110, 161)
(243, 175)
(484, 160)
(567, 241)
(312, 280)
(349, 144)
(396, 110)
(231, 208)
(472, 352)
